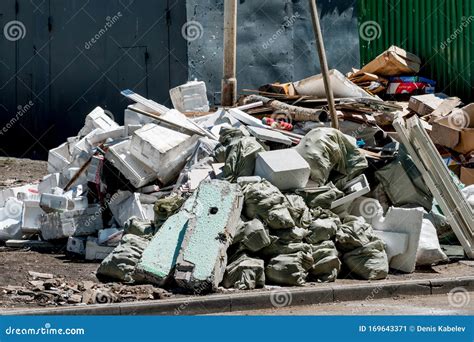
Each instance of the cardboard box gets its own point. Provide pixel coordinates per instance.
(467, 176)
(426, 104)
(456, 131)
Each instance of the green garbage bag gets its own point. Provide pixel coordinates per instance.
(289, 269)
(166, 207)
(326, 265)
(354, 233)
(228, 136)
(332, 156)
(140, 228)
(403, 183)
(244, 273)
(278, 247)
(299, 211)
(120, 264)
(252, 236)
(368, 262)
(264, 201)
(240, 158)
(295, 234)
(322, 196)
(322, 230)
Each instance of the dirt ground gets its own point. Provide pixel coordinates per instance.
(74, 275)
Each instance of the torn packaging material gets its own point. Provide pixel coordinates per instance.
(209, 217)
(394, 62)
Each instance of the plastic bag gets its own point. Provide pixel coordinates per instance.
(266, 202)
(289, 269)
(368, 262)
(244, 273)
(326, 265)
(332, 156)
(120, 264)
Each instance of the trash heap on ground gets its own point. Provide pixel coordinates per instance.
(264, 193)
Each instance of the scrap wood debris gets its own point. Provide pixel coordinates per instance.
(264, 193)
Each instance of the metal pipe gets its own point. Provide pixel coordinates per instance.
(229, 80)
(324, 64)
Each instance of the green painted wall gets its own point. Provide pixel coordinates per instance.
(441, 32)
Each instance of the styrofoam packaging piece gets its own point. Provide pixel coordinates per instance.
(405, 221)
(130, 129)
(84, 146)
(10, 229)
(395, 243)
(50, 181)
(50, 203)
(97, 119)
(76, 245)
(59, 225)
(108, 236)
(94, 251)
(190, 97)
(59, 158)
(163, 150)
(31, 217)
(102, 135)
(94, 171)
(285, 169)
(269, 135)
(356, 188)
(133, 169)
(132, 118)
(124, 205)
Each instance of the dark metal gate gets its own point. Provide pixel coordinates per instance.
(59, 59)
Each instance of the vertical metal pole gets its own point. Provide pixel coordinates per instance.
(324, 63)
(229, 81)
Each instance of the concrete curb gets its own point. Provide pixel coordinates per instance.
(264, 299)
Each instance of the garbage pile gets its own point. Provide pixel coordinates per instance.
(261, 193)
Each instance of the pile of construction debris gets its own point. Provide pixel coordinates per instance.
(263, 193)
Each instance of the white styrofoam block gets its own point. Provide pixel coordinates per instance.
(395, 243)
(285, 169)
(355, 189)
(50, 181)
(269, 135)
(76, 245)
(12, 209)
(59, 158)
(94, 251)
(163, 150)
(31, 217)
(133, 169)
(406, 221)
(60, 225)
(132, 118)
(190, 97)
(125, 205)
(109, 236)
(50, 203)
(246, 118)
(97, 119)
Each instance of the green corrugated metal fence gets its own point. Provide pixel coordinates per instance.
(441, 32)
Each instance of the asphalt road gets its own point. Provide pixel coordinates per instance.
(419, 305)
